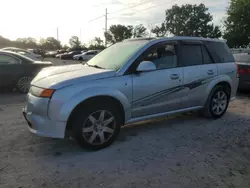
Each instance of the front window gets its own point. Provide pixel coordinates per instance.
(115, 56)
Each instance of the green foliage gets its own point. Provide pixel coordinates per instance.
(139, 31)
(237, 24)
(188, 20)
(160, 31)
(96, 44)
(50, 43)
(26, 42)
(75, 43)
(117, 33)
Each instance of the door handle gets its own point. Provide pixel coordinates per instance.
(210, 72)
(174, 76)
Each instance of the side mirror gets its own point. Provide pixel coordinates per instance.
(146, 66)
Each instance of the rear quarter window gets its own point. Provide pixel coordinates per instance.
(220, 52)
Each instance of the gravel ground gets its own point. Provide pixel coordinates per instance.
(179, 151)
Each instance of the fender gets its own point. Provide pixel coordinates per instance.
(87, 93)
(214, 82)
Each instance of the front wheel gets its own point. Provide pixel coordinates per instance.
(217, 103)
(96, 126)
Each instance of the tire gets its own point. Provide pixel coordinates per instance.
(85, 116)
(23, 84)
(213, 104)
(80, 59)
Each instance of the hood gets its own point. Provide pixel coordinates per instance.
(61, 76)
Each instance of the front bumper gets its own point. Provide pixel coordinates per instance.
(39, 123)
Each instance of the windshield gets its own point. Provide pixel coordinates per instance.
(115, 56)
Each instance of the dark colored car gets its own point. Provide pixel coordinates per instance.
(243, 62)
(69, 55)
(17, 71)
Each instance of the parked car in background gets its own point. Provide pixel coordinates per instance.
(23, 52)
(131, 81)
(51, 54)
(243, 62)
(17, 71)
(37, 51)
(86, 55)
(69, 55)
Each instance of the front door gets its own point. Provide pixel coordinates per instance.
(160, 90)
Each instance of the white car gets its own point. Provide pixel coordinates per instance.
(27, 53)
(86, 55)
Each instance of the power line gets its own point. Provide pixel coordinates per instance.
(132, 6)
(147, 8)
(119, 10)
(96, 18)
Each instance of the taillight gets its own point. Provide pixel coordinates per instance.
(244, 71)
(237, 68)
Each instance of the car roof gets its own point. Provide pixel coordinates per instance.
(162, 39)
(15, 54)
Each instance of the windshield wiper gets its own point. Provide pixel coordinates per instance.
(96, 66)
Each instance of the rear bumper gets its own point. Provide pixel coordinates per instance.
(244, 81)
(244, 85)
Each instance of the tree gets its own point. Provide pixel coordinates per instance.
(237, 24)
(65, 47)
(189, 20)
(117, 33)
(26, 42)
(50, 43)
(139, 31)
(159, 31)
(4, 42)
(75, 43)
(96, 43)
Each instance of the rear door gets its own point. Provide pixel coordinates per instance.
(225, 62)
(199, 70)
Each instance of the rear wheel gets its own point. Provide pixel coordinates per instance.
(23, 84)
(217, 102)
(96, 126)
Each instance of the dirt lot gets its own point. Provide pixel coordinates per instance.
(180, 151)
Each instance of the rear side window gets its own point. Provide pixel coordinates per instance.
(220, 52)
(191, 55)
(5, 59)
(206, 57)
(91, 53)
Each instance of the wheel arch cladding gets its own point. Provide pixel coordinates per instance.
(96, 99)
(221, 80)
(227, 86)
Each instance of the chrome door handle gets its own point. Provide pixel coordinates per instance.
(174, 76)
(210, 72)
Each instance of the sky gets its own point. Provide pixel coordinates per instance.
(41, 18)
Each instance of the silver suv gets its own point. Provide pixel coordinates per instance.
(131, 81)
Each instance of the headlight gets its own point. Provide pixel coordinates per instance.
(41, 92)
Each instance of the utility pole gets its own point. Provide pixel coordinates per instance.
(57, 34)
(80, 34)
(106, 19)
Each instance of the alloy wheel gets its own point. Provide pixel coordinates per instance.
(99, 127)
(219, 102)
(24, 84)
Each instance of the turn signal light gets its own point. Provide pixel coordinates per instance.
(47, 93)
